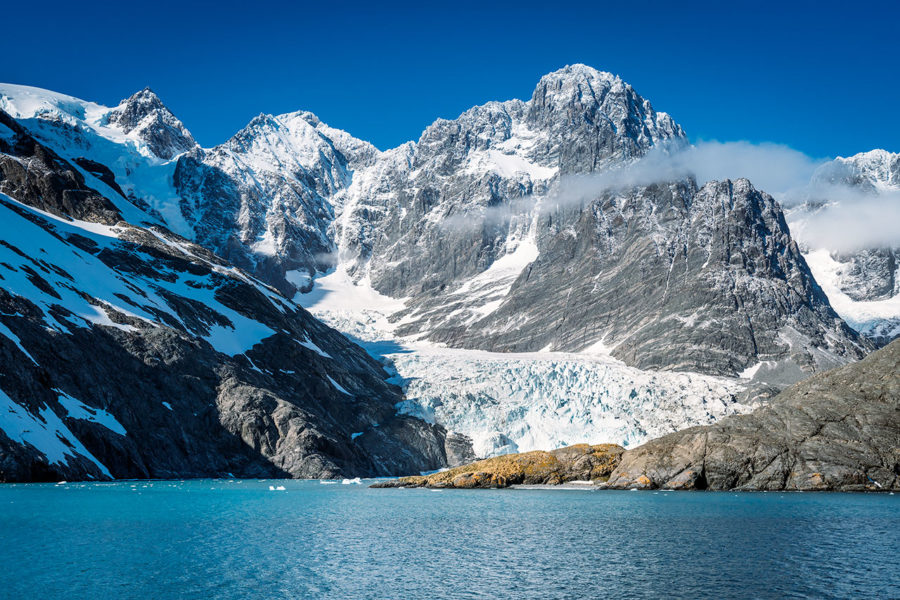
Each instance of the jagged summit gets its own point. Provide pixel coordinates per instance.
(145, 115)
(869, 171)
(578, 80)
(141, 118)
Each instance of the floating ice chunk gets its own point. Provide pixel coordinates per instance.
(355, 480)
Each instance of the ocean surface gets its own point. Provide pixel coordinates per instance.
(241, 539)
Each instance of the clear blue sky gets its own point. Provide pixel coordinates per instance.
(821, 77)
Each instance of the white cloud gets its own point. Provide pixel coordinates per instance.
(773, 168)
(850, 219)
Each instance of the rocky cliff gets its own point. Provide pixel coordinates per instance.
(667, 277)
(838, 430)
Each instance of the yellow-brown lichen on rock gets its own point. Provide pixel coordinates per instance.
(643, 481)
(573, 463)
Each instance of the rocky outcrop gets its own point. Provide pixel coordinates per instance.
(838, 430)
(581, 462)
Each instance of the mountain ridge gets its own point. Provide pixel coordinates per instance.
(474, 233)
(131, 352)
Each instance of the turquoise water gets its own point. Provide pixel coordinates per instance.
(217, 539)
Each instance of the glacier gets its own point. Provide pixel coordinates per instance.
(516, 402)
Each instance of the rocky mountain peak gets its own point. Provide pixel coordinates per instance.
(577, 78)
(144, 116)
(260, 125)
(146, 97)
(870, 171)
(594, 119)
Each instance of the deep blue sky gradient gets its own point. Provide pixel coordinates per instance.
(822, 77)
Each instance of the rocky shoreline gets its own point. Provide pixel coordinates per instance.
(581, 462)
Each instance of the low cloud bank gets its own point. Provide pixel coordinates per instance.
(850, 219)
(821, 215)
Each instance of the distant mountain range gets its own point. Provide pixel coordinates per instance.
(151, 286)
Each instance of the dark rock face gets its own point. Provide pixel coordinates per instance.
(838, 430)
(670, 277)
(581, 462)
(131, 352)
(145, 116)
(29, 169)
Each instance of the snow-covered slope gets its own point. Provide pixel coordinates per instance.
(117, 150)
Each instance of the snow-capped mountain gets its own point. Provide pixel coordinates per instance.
(128, 351)
(494, 232)
(493, 229)
(145, 117)
(872, 171)
(858, 266)
(262, 199)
